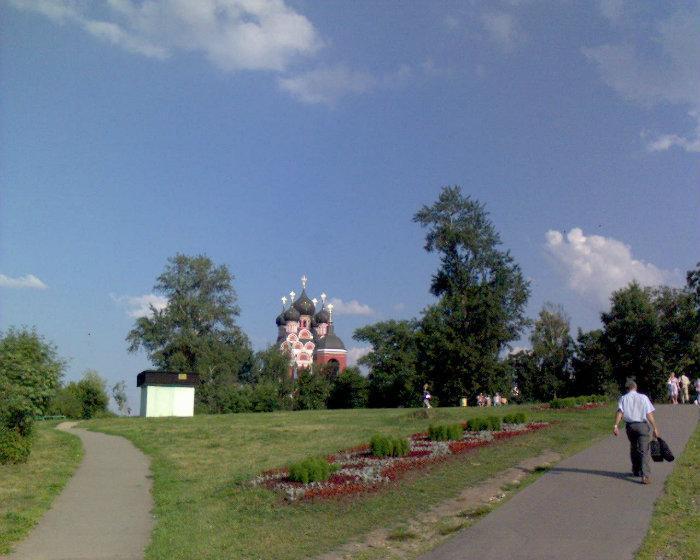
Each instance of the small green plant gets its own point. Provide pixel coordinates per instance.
(388, 446)
(515, 418)
(402, 534)
(495, 423)
(445, 432)
(313, 469)
(14, 447)
(568, 402)
(478, 424)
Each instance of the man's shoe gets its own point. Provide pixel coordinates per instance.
(636, 473)
(646, 480)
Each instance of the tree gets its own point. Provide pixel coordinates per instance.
(592, 369)
(392, 362)
(313, 390)
(196, 331)
(119, 396)
(349, 390)
(552, 348)
(632, 339)
(91, 390)
(30, 374)
(482, 296)
(521, 369)
(679, 327)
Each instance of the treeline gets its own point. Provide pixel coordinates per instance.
(459, 346)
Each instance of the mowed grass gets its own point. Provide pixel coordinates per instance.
(206, 509)
(27, 491)
(676, 520)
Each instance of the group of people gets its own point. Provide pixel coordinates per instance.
(486, 400)
(680, 387)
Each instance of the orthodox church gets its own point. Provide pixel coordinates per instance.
(307, 335)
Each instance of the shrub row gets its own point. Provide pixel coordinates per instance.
(515, 418)
(445, 432)
(481, 423)
(388, 446)
(570, 402)
(313, 469)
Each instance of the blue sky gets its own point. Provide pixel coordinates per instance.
(283, 138)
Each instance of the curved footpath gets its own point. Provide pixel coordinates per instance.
(103, 513)
(586, 507)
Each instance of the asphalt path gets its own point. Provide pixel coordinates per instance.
(588, 506)
(104, 512)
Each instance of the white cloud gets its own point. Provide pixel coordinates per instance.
(140, 306)
(663, 70)
(356, 353)
(327, 85)
(28, 281)
(502, 29)
(232, 34)
(595, 266)
(352, 307)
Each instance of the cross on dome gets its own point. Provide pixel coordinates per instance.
(304, 279)
(323, 297)
(292, 294)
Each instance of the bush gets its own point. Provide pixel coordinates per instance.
(445, 432)
(389, 446)
(313, 390)
(66, 403)
(14, 447)
(313, 469)
(495, 423)
(569, 402)
(265, 398)
(477, 424)
(515, 418)
(349, 390)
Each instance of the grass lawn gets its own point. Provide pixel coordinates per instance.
(26, 491)
(676, 520)
(205, 509)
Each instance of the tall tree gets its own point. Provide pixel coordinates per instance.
(482, 296)
(30, 375)
(679, 327)
(592, 369)
(119, 396)
(552, 347)
(393, 377)
(632, 339)
(196, 331)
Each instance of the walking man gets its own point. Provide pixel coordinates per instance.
(638, 413)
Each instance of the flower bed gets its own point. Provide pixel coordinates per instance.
(359, 471)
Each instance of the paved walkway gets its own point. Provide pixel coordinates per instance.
(104, 511)
(587, 507)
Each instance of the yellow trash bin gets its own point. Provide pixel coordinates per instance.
(464, 401)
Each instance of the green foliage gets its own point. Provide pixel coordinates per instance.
(389, 446)
(91, 391)
(495, 423)
(30, 373)
(67, 402)
(392, 362)
(313, 469)
(478, 424)
(266, 397)
(349, 390)
(482, 295)
(196, 331)
(313, 390)
(515, 418)
(632, 339)
(445, 432)
(270, 364)
(237, 399)
(592, 369)
(568, 402)
(552, 348)
(14, 447)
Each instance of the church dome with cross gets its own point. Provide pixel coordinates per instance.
(306, 333)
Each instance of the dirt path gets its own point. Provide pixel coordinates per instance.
(588, 506)
(104, 511)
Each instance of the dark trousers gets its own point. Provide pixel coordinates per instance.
(638, 433)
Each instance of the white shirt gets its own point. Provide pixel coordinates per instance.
(635, 407)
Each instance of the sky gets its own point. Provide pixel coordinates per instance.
(283, 138)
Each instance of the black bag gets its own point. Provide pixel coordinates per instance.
(660, 450)
(655, 450)
(666, 451)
